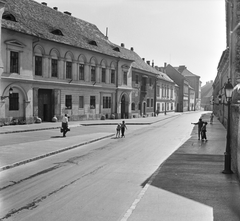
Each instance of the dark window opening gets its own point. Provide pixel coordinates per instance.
(81, 72)
(14, 102)
(8, 16)
(94, 43)
(113, 76)
(68, 101)
(116, 49)
(14, 59)
(38, 65)
(104, 75)
(93, 73)
(92, 102)
(69, 69)
(54, 67)
(57, 32)
(106, 102)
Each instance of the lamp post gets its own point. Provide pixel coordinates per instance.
(10, 93)
(227, 163)
(165, 112)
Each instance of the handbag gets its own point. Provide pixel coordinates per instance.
(68, 129)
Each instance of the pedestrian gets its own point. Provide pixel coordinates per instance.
(118, 130)
(203, 131)
(123, 127)
(211, 118)
(200, 124)
(64, 128)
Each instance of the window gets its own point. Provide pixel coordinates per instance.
(92, 102)
(152, 102)
(14, 102)
(81, 102)
(38, 65)
(106, 102)
(125, 78)
(150, 82)
(148, 102)
(93, 73)
(68, 101)
(14, 59)
(171, 93)
(133, 106)
(158, 91)
(81, 72)
(104, 75)
(113, 76)
(137, 80)
(69, 69)
(54, 68)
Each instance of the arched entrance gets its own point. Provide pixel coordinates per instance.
(124, 107)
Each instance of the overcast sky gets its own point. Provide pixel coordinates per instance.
(178, 32)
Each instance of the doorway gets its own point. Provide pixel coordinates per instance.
(124, 113)
(45, 104)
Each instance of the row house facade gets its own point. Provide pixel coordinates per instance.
(58, 64)
(54, 65)
(229, 70)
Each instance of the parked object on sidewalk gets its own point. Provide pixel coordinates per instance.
(123, 127)
(38, 120)
(204, 131)
(65, 128)
(200, 124)
(118, 130)
(211, 118)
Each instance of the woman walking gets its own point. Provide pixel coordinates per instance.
(65, 125)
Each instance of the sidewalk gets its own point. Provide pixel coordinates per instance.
(190, 185)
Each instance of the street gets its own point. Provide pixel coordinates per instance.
(98, 181)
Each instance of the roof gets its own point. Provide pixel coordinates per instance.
(187, 73)
(40, 20)
(207, 89)
(142, 65)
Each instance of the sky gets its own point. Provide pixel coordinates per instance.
(178, 32)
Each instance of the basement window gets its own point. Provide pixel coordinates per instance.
(57, 32)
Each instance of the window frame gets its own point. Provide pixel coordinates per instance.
(125, 77)
(14, 68)
(92, 102)
(103, 75)
(81, 69)
(68, 70)
(93, 73)
(81, 102)
(113, 80)
(107, 102)
(38, 65)
(54, 67)
(68, 102)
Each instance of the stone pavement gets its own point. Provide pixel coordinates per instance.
(188, 186)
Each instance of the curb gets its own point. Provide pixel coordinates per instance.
(52, 153)
(93, 124)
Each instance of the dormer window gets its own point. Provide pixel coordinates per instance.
(116, 49)
(8, 16)
(94, 43)
(57, 32)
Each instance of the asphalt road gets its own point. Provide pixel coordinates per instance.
(99, 181)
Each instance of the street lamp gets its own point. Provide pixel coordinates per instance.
(228, 88)
(10, 93)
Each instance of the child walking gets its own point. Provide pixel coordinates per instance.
(123, 127)
(203, 131)
(118, 130)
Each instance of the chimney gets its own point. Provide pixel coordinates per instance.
(67, 13)
(152, 63)
(44, 3)
(143, 59)
(106, 33)
(165, 64)
(122, 45)
(55, 8)
(148, 62)
(132, 49)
